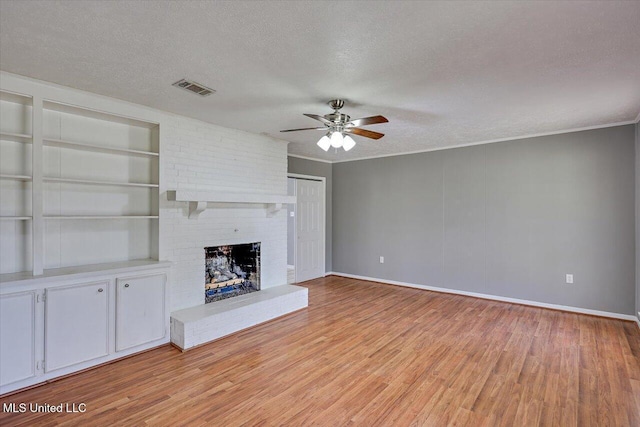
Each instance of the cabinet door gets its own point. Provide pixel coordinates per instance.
(17, 337)
(76, 324)
(140, 310)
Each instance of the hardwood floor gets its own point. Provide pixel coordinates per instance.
(371, 354)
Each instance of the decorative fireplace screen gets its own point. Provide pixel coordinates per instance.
(231, 270)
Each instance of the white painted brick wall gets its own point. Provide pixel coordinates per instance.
(197, 155)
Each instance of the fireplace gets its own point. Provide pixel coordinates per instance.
(231, 270)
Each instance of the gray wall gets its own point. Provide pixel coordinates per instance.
(310, 167)
(638, 220)
(507, 219)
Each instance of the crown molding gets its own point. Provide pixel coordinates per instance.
(491, 141)
(470, 144)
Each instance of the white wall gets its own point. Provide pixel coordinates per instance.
(198, 155)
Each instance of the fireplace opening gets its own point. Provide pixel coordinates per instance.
(231, 270)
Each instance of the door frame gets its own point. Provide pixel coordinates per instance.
(323, 180)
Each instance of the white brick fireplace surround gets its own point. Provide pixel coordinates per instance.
(210, 159)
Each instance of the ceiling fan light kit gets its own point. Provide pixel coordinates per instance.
(336, 140)
(324, 143)
(338, 125)
(348, 143)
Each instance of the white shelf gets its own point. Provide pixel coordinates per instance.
(94, 182)
(14, 218)
(93, 147)
(96, 114)
(16, 177)
(65, 217)
(198, 199)
(15, 137)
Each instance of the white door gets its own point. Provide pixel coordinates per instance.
(76, 324)
(140, 310)
(17, 337)
(309, 229)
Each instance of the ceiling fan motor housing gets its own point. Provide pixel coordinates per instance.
(338, 119)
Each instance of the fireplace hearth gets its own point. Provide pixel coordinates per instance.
(231, 270)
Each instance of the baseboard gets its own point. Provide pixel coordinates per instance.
(494, 297)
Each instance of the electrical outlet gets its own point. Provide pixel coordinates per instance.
(569, 278)
(381, 260)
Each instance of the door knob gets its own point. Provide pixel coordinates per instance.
(100, 290)
(126, 285)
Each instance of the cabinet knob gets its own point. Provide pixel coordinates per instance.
(126, 285)
(100, 290)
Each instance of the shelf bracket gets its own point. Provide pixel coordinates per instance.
(195, 208)
(273, 208)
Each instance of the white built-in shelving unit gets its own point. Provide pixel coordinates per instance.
(78, 186)
(80, 280)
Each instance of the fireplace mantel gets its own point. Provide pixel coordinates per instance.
(198, 199)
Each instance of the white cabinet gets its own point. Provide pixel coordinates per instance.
(72, 319)
(140, 310)
(17, 337)
(76, 324)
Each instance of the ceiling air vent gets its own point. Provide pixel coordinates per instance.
(194, 87)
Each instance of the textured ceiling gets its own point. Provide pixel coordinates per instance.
(443, 73)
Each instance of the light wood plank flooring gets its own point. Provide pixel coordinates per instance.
(371, 354)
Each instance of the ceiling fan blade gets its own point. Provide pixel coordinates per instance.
(368, 121)
(319, 118)
(364, 132)
(295, 130)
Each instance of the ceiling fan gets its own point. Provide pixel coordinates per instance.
(339, 125)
